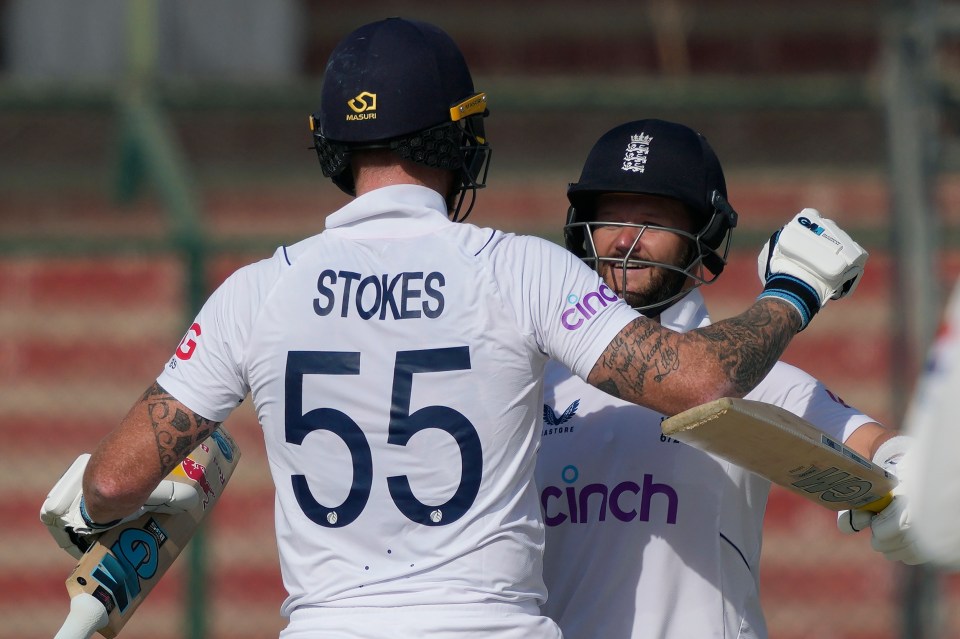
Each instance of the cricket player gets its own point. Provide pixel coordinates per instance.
(395, 362)
(647, 537)
(934, 487)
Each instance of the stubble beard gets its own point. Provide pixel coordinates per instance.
(661, 285)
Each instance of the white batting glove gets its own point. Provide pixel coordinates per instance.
(809, 261)
(64, 514)
(891, 531)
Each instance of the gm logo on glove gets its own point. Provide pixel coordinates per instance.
(816, 229)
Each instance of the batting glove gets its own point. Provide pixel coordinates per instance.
(809, 261)
(891, 531)
(65, 516)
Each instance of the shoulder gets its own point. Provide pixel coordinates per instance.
(485, 240)
(518, 255)
(254, 281)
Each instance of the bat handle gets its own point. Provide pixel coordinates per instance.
(879, 504)
(87, 615)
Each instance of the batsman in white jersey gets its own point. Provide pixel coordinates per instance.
(396, 360)
(648, 537)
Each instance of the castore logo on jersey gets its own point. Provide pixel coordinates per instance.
(551, 418)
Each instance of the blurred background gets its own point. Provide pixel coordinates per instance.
(149, 148)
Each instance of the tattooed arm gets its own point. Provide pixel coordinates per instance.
(669, 372)
(155, 436)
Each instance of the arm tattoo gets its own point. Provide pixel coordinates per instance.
(749, 344)
(642, 349)
(177, 431)
(746, 347)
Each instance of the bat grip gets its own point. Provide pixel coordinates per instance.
(87, 615)
(879, 504)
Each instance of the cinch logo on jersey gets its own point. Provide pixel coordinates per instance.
(584, 309)
(131, 558)
(626, 501)
(364, 107)
(402, 296)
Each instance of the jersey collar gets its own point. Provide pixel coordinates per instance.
(401, 210)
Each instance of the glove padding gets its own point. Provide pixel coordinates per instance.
(64, 514)
(809, 261)
(891, 532)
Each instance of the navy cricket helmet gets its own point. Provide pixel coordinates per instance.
(402, 85)
(655, 157)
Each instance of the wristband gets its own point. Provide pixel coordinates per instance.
(92, 524)
(795, 292)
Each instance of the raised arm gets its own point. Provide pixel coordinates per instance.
(805, 264)
(669, 372)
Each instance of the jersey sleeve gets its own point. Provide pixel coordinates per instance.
(791, 388)
(207, 371)
(562, 303)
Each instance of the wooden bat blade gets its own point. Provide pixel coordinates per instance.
(785, 449)
(121, 568)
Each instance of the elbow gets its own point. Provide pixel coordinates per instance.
(108, 497)
(725, 383)
(707, 388)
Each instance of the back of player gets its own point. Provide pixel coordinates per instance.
(400, 397)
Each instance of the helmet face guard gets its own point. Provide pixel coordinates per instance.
(709, 249)
(664, 159)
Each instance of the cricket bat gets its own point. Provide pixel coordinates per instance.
(785, 449)
(120, 569)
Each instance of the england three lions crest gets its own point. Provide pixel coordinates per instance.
(635, 155)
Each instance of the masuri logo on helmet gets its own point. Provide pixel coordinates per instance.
(402, 85)
(364, 106)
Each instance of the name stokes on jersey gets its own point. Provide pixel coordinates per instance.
(407, 295)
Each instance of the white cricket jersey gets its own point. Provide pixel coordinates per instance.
(648, 537)
(395, 363)
(930, 479)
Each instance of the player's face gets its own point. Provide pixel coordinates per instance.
(633, 234)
